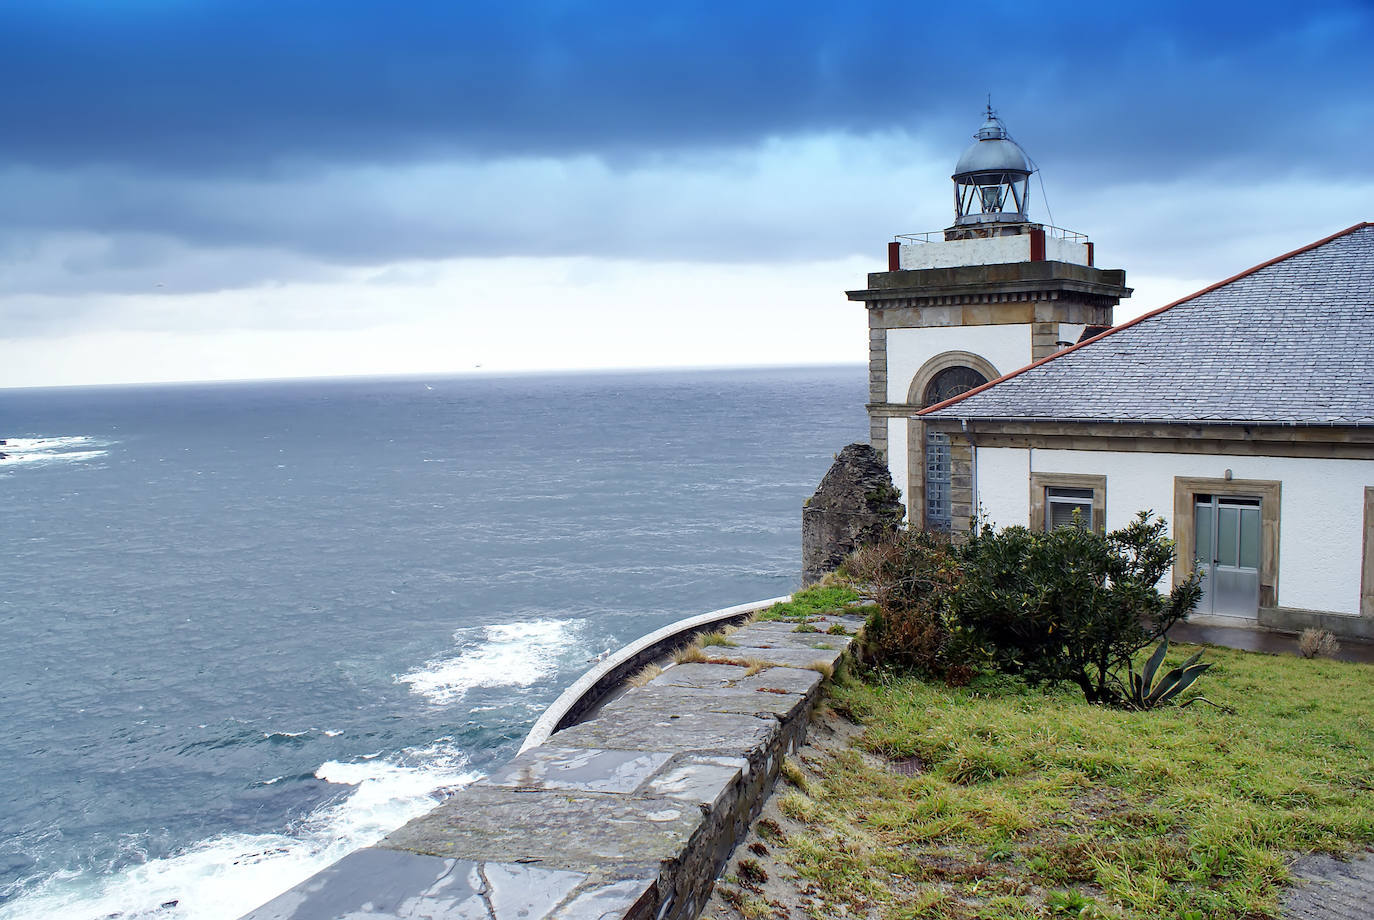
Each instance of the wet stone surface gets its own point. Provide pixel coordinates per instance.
(387, 883)
(824, 650)
(584, 831)
(700, 782)
(629, 815)
(803, 681)
(651, 725)
(727, 701)
(578, 769)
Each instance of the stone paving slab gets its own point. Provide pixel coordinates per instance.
(701, 780)
(682, 700)
(795, 656)
(1328, 888)
(581, 769)
(647, 728)
(783, 629)
(389, 884)
(705, 782)
(630, 899)
(568, 830)
(733, 677)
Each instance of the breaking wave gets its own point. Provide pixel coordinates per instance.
(507, 655)
(15, 451)
(226, 876)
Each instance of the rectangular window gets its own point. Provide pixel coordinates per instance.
(1062, 504)
(939, 512)
(1056, 497)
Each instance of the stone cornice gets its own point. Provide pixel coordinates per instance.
(1324, 441)
(1015, 281)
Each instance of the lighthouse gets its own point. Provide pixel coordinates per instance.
(959, 307)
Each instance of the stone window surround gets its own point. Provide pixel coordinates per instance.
(1039, 482)
(1269, 493)
(916, 429)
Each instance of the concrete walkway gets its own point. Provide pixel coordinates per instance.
(1264, 640)
(1331, 889)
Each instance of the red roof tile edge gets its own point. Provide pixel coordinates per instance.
(1144, 316)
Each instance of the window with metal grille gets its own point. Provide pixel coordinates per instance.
(1062, 502)
(939, 514)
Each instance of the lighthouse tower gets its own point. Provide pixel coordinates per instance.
(962, 306)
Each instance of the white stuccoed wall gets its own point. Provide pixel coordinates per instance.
(1006, 347)
(896, 459)
(1321, 519)
(1003, 484)
(1057, 250)
(995, 250)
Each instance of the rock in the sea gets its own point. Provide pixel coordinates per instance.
(854, 505)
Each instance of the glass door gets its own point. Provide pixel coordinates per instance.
(1228, 554)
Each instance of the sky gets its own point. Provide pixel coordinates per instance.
(228, 189)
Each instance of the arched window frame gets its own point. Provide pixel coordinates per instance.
(916, 429)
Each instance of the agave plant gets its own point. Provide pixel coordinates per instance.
(1146, 693)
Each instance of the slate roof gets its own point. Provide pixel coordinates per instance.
(1289, 342)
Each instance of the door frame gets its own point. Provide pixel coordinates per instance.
(1269, 493)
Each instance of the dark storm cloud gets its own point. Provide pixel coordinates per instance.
(216, 85)
(183, 146)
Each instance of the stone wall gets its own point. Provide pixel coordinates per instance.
(630, 814)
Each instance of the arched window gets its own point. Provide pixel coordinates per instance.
(946, 384)
(949, 383)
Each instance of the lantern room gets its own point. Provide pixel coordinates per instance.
(991, 180)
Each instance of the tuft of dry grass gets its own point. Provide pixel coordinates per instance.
(823, 668)
(689, 654)
(754, 666)
(795, 775)
(1318, 643)
(715, 638)
(647, 674)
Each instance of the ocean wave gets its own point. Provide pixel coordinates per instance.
(48, 450)
(226, 876)
(508, 655)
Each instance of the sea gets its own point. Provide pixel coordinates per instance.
(246, 628)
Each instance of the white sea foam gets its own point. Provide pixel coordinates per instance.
(226, 876)
(507, 655)
(49, 450)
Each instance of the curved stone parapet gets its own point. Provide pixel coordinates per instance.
(587, 692)
(630, 813)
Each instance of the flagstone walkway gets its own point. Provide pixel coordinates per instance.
(1327, 888)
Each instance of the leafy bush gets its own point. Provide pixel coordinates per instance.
(1070, 604)
(1067, 605)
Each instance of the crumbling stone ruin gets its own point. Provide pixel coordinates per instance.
(855, 504)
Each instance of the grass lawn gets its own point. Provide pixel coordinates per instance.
(1025, 803)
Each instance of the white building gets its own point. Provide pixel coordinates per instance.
(1244, 414)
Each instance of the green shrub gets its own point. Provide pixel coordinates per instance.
(1067, 605)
